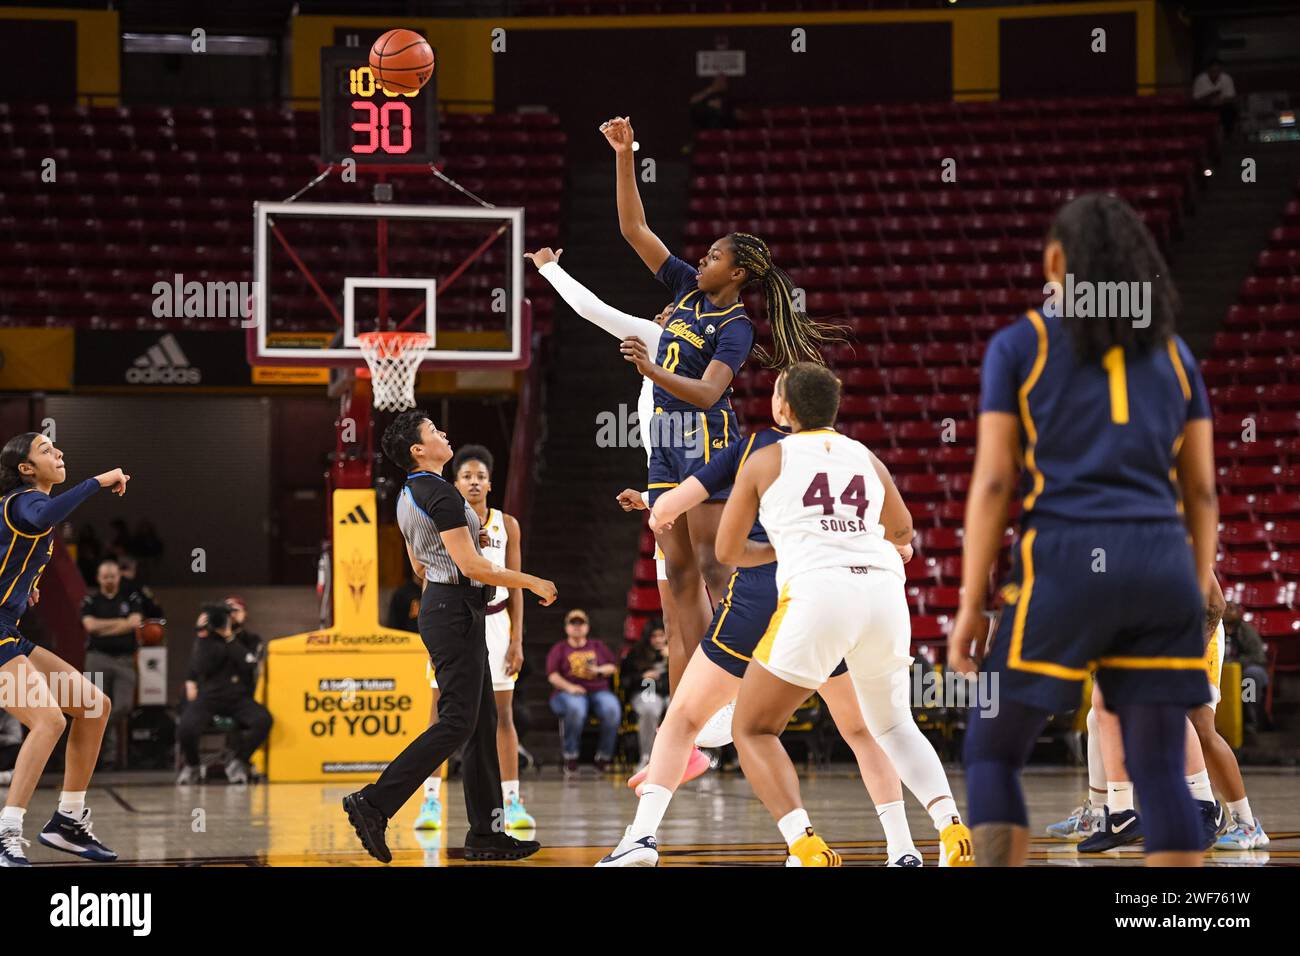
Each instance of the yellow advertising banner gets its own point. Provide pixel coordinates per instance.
(289, 375)
(344, 704)
(36, 360)
(346, 699)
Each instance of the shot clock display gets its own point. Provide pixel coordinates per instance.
(359, 120)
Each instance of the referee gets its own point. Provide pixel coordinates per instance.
(442, 540)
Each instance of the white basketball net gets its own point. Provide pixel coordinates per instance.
(393, 358)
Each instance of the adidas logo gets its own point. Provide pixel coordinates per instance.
(163, 364)
(356, 516)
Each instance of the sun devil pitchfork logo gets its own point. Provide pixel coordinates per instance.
(356, 570)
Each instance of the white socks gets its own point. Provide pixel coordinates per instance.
(1199, 784)
(1241, 810)
(509, 790)
(898, 836)
(794, 825)
(943, 812)
(650, 810)
(12, 817)
(433, 786)
(72, 803)
(1119, 795)
(919, 768)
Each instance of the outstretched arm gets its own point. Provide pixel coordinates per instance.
(631, 214)
(583, 301)
(38, 512)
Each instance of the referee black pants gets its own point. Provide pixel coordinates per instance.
(451, 626)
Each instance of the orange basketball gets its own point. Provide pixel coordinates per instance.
(151, 633)
(402, 61)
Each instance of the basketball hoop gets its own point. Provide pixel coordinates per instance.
(393, 359)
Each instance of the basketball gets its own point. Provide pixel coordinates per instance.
(402, 61)
(151, 633)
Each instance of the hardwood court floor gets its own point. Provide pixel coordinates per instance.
(715, 821)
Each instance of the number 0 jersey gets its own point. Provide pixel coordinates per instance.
(823, 509)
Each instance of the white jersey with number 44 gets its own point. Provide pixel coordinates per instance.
(823, 509)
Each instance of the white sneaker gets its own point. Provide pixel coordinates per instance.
(717, 731)
(630, 852)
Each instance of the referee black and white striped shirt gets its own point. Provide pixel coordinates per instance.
(428, 506)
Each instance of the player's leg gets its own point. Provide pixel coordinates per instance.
(1198, 784)
(1120, 824)
(1085, 818)
(880, 666)
(1244, 832)
(1155, 747)
(497, 627)
(763, 708)
(998, 743)
(703, 523)
(25, 694)
(690, 599)
(430, 815)
(703, 690)
(508, 757)
(878, 774)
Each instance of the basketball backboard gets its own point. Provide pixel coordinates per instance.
(325, 273)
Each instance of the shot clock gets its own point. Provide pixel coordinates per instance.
(360, 120)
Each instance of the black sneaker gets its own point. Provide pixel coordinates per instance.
(1118, 829)
(1210, 814)
(73, 835)
(370, 824)
(498, 846)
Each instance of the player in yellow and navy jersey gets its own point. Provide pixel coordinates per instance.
(39, 687)
(707, 339)
(1103, 420)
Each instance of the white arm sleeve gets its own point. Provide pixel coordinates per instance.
(583, 301)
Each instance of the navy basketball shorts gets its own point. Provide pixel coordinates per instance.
(1120, 597)
(13, 644)
(683, 442)
(741, 620)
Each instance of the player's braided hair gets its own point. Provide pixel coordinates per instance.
(1105, 241)
(14, 454)
(795, 337)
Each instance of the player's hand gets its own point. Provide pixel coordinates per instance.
(514, 658)
(618, 133)
(969, 628)
(905, 552)
(544, 589)
(634, 351)
(484, 539)
(658, 524)
(544, 255)
(115, 481)
(629, 499)
(35, 597)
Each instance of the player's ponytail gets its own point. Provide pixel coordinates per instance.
(1105, 241)
(795, 337)
(14, 454)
